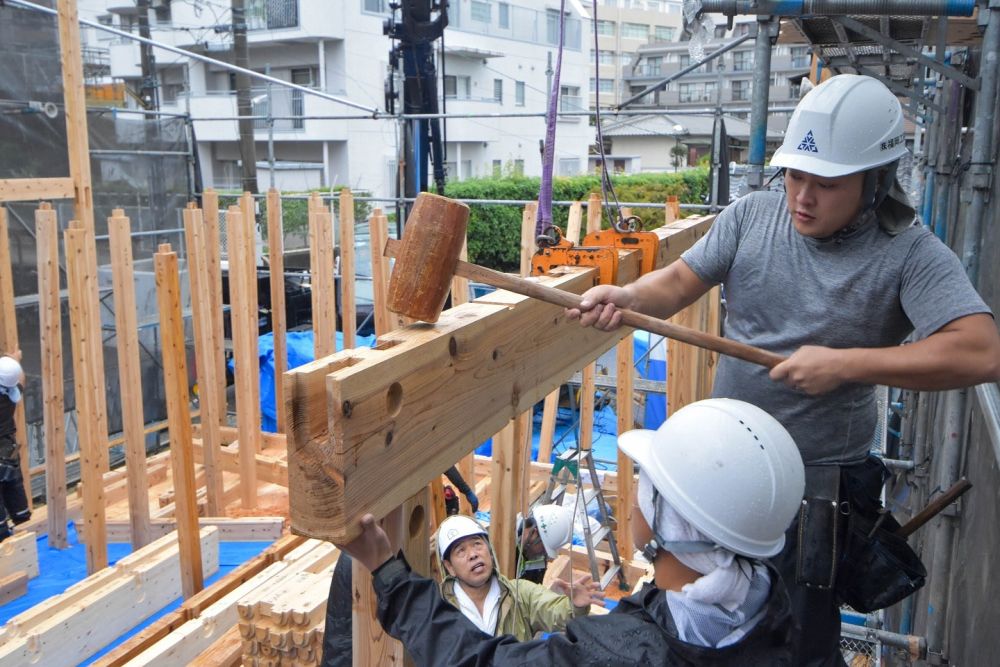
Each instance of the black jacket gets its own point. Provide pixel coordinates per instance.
(639, 631)
(337, 646)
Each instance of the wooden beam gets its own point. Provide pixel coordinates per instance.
(370, 427)
(276, 258)
(324, 307)
(213, 247)
(13, 586)
(269, 468)
(129, 375)
(168, 296)
(75, 107)
(348, 302)
(205, 354)
(226, 651)
(19, 553)
(9, 344)
(35, 189)
(51, 346)
(623, 406)
(82, 293)
(230, 434)
(244, 328)
(238, 529)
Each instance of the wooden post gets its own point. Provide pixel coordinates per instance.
(528, 220)
(276, 255)
(50, 338)
(348, 302)
(82, 291)
(510, 471)
(10, 344)
(205, 356)
(460, 295)
(168, 297)
(587, 386)
(78, 143)
(244, 327)
(378, 233)
(593, 212)
(674, 204)
(550, 410)
(130, 375)
(324, 308)
(623, 512)
(573, 222)
(213, 245)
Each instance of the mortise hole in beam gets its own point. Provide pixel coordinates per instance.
(416, 521)
(452, 346)
(386, 344)
(388, 438)
(394, 399)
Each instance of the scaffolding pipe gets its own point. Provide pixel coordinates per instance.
(499, 202)
(841, 7)
(915, 646)
(24, 4)
(989, 402)
(766, 28)
(950, 100)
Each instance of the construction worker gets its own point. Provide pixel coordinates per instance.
(13, 501)
(719, 483)
(539, 538)
(835, 274)
(495, 604)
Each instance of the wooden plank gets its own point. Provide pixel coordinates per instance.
(550, 410)
(51, 345)
(238, 529)
(245, 350)
(75, 108)
(13, 586)
(35, 189)
(528, 219)
(460, 285)
(9, 344)
(585, 438)
(348, 302)
(205, 354)
(226, 651)
(168, 296)
(573, 222)
(454, 383)
(623, 407)
(91, 439)
(84, 619)
(276, 257)
(505, 460)
(378, 233)
(129, 375)
(19, 553)
(213, 246)
(324, 311)
(593, 212)
(269, 468)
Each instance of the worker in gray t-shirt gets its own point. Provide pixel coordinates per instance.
(834, 275)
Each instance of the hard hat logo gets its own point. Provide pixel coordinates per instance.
(808, 143)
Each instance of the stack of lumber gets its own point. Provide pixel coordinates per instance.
(68, 628)
(284, 624)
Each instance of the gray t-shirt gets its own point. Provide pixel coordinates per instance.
(783, 290)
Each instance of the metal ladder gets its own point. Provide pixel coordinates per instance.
(566, 472)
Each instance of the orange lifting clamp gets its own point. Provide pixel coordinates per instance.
(599, 250)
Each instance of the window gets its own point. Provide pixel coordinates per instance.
(652, 66)
(498, 90)
(602, 85)
(375, 6)
(303, 76)
(497, 166)
(569, 166)
(519, 167)
(519, 93)
(685, 61)
(569, 98)
(742, 61)
(741, 90)
(606, 28)
(697, 92)
(456, 87)
(663, 33)
(480, 11)
(503, 15)
(635, 31)
(800, 56)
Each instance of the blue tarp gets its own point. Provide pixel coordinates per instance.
(61, 568)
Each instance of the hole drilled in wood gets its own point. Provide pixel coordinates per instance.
(416, 521)
(394, 399)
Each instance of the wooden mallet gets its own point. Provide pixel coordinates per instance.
(427, 259)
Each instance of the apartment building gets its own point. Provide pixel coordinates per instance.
(496, 60)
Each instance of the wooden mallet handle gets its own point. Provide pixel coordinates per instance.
(630, 318)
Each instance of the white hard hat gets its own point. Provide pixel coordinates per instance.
(729, 468)
(10, 375)
(555, 527)
(848, 123)
(455, 528)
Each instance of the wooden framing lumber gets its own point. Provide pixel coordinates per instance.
(276, 266)
(453, 384)
(19, 553)
(268, 468)
(244, 328)
(50, 339)
(35, 189)
(74, 98)
(9, 344)
(573, 220)
(168, 296)
(348, 302)
(529, 218)
(70, 627)
(13, 586)
(324, 307)
(129, 375)
(378, 233)
(510, 473)
(226, 651)
(229, 435)
(213, 247)
(205, 354)
(92, 439)
(624, 506)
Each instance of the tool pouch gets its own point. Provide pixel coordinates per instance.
(877, 567)
(818, 528)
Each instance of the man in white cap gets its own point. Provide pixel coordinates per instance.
(13, 501)
(495, 604)
(719, 483)
(834, 274)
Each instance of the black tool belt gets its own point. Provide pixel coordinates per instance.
(847, 540)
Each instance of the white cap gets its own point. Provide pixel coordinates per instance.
(848, 123)
(728, 468)
(455, 528)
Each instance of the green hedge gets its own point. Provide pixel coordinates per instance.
(295, 212)
(495, 230)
